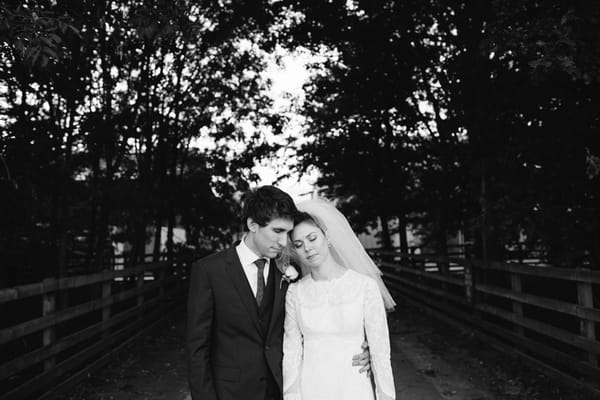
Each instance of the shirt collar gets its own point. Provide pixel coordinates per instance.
(246, 255)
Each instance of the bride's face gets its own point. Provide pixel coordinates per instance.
(310, 244)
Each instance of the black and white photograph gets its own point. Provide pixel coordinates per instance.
(299, 200)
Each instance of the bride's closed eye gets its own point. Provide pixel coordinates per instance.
(311, 238)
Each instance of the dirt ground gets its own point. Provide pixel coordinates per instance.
(432, 360)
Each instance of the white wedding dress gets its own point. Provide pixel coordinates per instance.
(325, 325)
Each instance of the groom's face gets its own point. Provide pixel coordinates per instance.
(269, 240)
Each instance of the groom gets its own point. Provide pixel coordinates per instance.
(236, 308)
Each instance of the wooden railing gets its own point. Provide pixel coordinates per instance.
(547, 315)
(54, 332)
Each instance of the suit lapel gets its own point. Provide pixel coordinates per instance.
(278, 296)
(240, 282)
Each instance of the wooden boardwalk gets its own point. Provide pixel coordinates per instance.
(431, 361)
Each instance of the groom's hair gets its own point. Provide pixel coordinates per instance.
(267, 203)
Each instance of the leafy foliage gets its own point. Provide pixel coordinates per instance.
(128, 119)
(478, 116)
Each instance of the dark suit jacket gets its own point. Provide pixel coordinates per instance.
(229, 356)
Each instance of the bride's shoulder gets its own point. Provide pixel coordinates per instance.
(357, 276)
(359, 279)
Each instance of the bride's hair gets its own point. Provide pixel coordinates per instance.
(302, 216)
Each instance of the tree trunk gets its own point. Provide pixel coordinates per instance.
(386, 240)
(402, 225)
(101, 236)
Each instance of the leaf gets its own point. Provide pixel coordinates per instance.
(50, 52)
(43, 61)
(57, 39)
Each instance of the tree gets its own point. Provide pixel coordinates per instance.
(102, 139)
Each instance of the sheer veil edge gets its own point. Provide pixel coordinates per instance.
(345, 246)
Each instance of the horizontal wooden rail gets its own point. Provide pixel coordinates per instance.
(119, 305)
(58, 317)
(43, 353)
(429, 289)
(543, 328)
(504, 336)
(568, 274)
(48, 377)
(52, 285)
(482, 304)
(429, 275)
(592, 314)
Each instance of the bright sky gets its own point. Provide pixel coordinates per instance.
(287, 78)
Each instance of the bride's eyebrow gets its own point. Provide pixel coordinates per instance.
(307, 235)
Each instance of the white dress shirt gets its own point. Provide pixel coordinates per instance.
(247, 258)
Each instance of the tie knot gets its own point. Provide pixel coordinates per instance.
(260, 263)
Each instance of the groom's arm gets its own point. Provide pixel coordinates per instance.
(199, 327)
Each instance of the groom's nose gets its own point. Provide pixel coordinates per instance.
(282, 240)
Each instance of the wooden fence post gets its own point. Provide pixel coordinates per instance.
(468, 281)
(162, 276)
(585, 296)
(49, 334)
(106, 293)
(517, 307)
(140, 296)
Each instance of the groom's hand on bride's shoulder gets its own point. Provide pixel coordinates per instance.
(363, 359)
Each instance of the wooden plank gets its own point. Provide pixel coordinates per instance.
(47, 378)
(543, 328)
(517, 306)
(91, 367)
(106, 293)
(430, 275)
(585, 297)
(426, 288)
(36, 289)
(570, 274)
(545, 352)
(37, 324)
(576, 310)
(469, 288)
(49, 333)
(507, 348)
(36, 356)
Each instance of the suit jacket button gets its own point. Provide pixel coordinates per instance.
(267, 348)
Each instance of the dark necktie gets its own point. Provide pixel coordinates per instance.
(260, 280)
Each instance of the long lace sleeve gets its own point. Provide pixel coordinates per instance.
(292, 347)
(377, 332)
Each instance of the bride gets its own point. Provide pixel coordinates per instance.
(340, 302)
